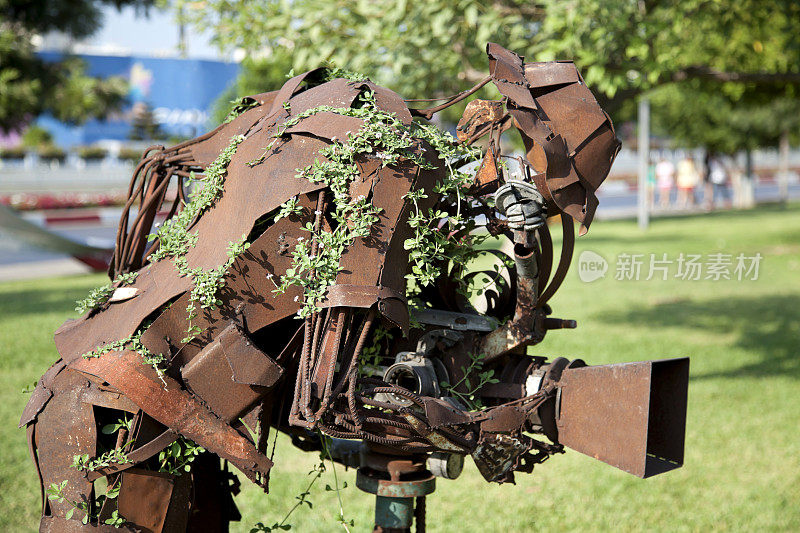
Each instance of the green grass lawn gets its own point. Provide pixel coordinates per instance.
(742, 466)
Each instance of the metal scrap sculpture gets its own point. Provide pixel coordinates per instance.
(327, 202)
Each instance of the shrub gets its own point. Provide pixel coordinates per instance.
(92, 152)
(130, 154)
(17, 152)
(52, 153)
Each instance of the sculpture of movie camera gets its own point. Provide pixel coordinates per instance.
(326, 263)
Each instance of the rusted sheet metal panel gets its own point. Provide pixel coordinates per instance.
(558, 117)
(249, 365)
(327, 125)
(248, 292)
(145, 498)
(248, 195)
(102, 397)
(231, 375)
(64, 428)
(41, 393)
(390, 302)
(177, 409)
(393, 256)
(547, 73)
(336, 93)
(363, 263)
(205, 151)
(630, 415)
(478, 114)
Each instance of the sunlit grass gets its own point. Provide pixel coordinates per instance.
(742, 469)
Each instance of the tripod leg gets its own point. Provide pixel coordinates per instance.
(419, 514)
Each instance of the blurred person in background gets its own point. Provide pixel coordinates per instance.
(651, 184)
(708, 192)
(665, 178)
(688, 178)
(718, 176)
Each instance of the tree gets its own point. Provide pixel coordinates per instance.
(418, 48)
(31, 86)
(620, 45)
(629, 44)
(143, 125)
(737, 59)
(695, 117)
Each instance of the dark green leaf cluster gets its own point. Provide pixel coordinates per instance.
(55, 492)
(177, 458)
(474, 378)
(117, 455)
(32, 86)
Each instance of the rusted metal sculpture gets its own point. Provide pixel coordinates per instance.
(194, 344)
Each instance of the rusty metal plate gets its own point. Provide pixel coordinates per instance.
(230, 375)
(630, 415)
(174, 407)
(144, 498)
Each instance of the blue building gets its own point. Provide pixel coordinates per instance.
(180, 93)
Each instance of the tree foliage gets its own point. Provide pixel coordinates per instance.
(418, 48)
(31, 86)
(620, 45)
(723, 72)
(630, 44)
(693, 116)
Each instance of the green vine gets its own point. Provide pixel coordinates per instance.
(326, 453)
(473, 380)
(207, 284)
(382, 136)
(116, 455)
(239, 106)
(303, 497)
(100, 295)
(55, 492)
(434, 243)
(175, 240)
(177, 458)
(134, 343)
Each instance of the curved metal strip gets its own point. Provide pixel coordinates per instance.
(567, 246)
